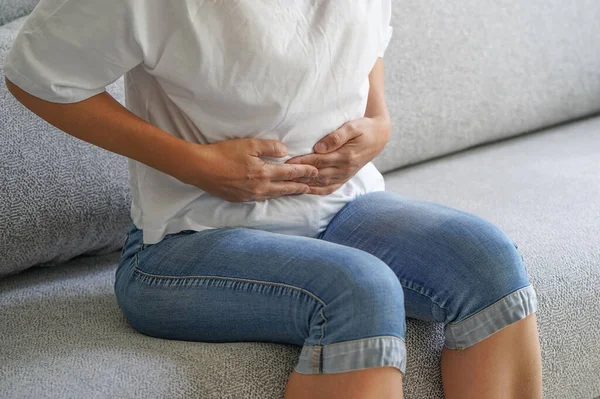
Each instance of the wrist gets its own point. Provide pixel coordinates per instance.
(383, 128)
(196, 163)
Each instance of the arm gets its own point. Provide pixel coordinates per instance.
(376, 114)
(103, 121)
(353, 145)
(230, 169)
(376, 106)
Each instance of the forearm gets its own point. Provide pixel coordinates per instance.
(104, 122)
(376, 106)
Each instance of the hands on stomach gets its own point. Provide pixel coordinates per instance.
(233, 170)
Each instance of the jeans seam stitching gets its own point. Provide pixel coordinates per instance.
(343, 220)
(137, 270)
(403, 282)
(322, 325)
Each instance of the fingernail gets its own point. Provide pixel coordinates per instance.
(321, 147)
(314, 173)
(305, 190)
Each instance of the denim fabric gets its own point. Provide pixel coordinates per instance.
(342, 296)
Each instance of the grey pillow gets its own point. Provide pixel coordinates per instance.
(13, 9)
(60, 197)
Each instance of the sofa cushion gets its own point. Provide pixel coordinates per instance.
(465, 72)
(461, 73)
(13, 9)
(59, 196)
(63, 334)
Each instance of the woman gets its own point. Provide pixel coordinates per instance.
(257, 214)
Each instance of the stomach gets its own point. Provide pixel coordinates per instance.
(164, 205)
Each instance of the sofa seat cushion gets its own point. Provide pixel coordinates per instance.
(60, 197)
(63, 334)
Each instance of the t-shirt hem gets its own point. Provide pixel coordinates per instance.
(154, 236)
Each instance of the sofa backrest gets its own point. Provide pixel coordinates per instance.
(465, 72)
(13, 9)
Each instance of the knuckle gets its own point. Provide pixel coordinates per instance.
(277, 148)
(261, 174)
(336, 138)
(252, 187)
(352, 154)
(295, 171)
(258, 191)
(346, 170)
(253, 144)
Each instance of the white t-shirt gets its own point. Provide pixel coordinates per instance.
(211, 70)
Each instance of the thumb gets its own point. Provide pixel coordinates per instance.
(334, 140)
(270, 148)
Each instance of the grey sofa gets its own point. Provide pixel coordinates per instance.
(495, 109)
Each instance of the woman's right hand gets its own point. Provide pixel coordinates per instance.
(233, 170)
(229, 169)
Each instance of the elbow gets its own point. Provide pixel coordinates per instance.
(8, 84)
(12, 88)
(21, 95)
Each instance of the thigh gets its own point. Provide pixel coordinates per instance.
(242, 284)
(450, 263)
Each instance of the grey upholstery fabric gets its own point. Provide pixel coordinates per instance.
(13, 9)
(59, 196)
(64, 336)
(458, 73)
(464, 72)
(542, 189)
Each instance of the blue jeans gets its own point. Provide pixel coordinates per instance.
(343, 296)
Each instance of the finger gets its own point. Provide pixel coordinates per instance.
(289, 172)
(326, 177)
(325, 190)
(319, 161)
(279, 189)
(269, 148)
(335, 139)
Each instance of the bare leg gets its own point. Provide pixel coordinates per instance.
(372, 383)
(505, 365)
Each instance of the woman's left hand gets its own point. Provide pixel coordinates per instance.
(342, 153)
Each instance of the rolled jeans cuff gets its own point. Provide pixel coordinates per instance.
(477, 327)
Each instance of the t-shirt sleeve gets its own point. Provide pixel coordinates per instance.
(386, 28)
(70, 50)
